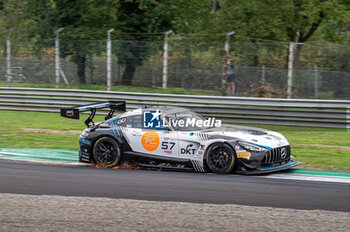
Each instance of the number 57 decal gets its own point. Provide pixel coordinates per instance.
(167, 145)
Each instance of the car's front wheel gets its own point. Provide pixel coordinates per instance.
(106, 152)
(220, 158)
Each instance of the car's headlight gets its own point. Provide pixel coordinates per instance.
(85, 133)
(251, 147)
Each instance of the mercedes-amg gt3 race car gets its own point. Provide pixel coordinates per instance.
(133, 137)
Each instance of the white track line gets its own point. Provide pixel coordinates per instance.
(338, 179)
(10, 153)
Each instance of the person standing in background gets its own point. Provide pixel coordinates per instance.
(230, 76)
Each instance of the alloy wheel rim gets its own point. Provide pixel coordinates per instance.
(105, 152)
(220, 158)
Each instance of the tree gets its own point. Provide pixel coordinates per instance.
(136, 19)
(298, 21)
(284, 20)
(302, 18)
(76, 18)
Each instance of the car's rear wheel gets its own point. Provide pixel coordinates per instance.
(106, 152)
(220, 158)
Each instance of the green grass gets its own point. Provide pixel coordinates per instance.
(38, 130)
(120, 88)
(324, 148)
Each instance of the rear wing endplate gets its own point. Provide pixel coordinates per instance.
(74, 112)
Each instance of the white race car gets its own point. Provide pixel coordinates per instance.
(219, 149)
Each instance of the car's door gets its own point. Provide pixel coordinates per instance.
(189, 145)
(162, 142)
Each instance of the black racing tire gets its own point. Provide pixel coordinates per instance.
(106, 152)
(220, 158)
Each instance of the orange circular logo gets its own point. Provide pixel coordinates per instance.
(150, 141)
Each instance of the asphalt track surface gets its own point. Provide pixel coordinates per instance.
(41, 179)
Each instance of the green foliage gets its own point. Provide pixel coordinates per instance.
(200, 27)
(189, 16)
(143, 17)
(287, 20)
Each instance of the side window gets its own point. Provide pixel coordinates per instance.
(136, 121)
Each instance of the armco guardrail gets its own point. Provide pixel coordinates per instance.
(296, 112)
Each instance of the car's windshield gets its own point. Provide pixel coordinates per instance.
(186, 121)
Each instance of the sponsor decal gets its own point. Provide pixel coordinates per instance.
(182, 115)
(192, 133)
(85, 141)
(188, 150)
(120, 121)
(70, 113)
(114, 126)
(151, 119)
(167, 147)
(150, 141)
(243, 154)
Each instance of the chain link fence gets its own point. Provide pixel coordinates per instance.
(321, 71)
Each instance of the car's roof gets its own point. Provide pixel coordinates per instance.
(164, 109)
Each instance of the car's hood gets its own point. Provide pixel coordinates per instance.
(262, 137)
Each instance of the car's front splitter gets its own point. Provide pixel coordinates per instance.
(264, 170)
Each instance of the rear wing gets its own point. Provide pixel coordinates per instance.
(74, 112)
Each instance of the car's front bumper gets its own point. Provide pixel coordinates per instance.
(269, 169)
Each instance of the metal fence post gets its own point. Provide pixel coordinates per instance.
(153, 72)
(57, 46)
(290, 70)
(227, 51)
(109, 59)
(165, 60)
(316, 81)
(8, 57)
(182, 70)
(263, 74)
